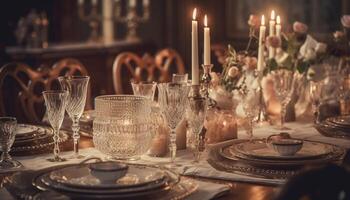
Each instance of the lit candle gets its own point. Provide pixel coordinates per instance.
(195, 66)
(261, 44)
(206, 42)
(132, 3)
(94, 2)
(145, 3)
(272, 33)
(278, 26)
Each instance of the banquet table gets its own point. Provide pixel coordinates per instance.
(241, 187)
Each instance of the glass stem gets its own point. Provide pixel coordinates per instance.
(283, 114)
(196, 152)
(172, 145)
(250, 128)
(76, 136)
(5, 155)
(56, 149)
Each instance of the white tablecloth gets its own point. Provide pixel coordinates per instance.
(203, 169)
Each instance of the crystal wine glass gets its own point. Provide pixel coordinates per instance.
(173, 101)
(250, 104)
(316, 93)
(146, 89)
(77, 91)
(55, 101)
(180, 78)
(7, 137)
(196, 116)
(283, 82)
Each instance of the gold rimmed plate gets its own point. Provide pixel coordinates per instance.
(260, 149)
(227, 153)
(43, 182)
(81, 177)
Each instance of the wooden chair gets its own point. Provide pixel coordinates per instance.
(129, 66)
(21, 88)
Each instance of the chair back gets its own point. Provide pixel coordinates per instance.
(129, 66)
(21, 88)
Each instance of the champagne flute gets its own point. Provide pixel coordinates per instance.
(77, 91)
(55, 101)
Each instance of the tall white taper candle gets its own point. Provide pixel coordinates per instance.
(206, 42)
(195, 65)
(261, 44)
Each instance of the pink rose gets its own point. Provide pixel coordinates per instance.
(338, 34)
(214, 78)
(250, 63)
(300, 28)
(254, 21)
(273, 41)
(345, 21)
(233, 72)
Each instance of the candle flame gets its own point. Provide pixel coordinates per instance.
(278, 19)
(205, 21)
(273, 15)
(263, 20)
(194, 14)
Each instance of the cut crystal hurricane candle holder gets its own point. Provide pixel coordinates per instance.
(122, 127)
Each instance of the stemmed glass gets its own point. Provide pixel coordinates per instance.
(173, 101)
(316, 96)
(77, 91)
(196, 116)
(146, 89)
(7, 137)
(283, 82)
(180, 78)
(55, 101)
(251, 104)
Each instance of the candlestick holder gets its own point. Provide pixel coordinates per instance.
(262, 116)
(93, 18)
(205, 86)
(131, 19)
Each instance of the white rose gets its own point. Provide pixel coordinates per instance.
(310, 55)
(321, 47)
(233, 72)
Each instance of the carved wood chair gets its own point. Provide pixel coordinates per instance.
(21, 88)
(129, 66)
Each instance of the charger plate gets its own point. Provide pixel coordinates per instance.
(339, 121)
(42, 182)
(20, 186)
(262, 161)
(259, 149)
(274, 173)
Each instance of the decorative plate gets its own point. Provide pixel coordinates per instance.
(80, 177)
(259, 149)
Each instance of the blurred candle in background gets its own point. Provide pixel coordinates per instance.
(261, 44)
(272, 33)
(278, 26)
(132, 3)
(206, 42)
(195, 66)
(145, 3)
